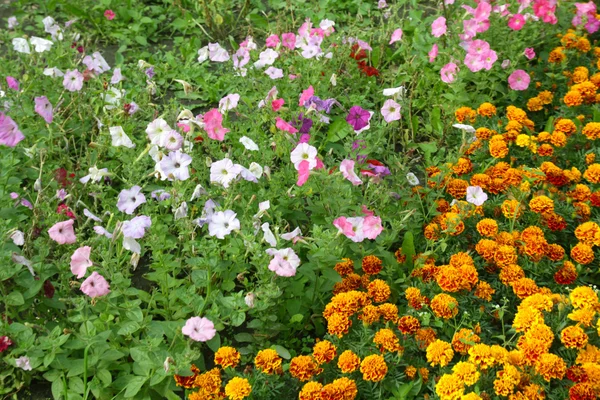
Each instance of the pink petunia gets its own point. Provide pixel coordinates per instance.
(438, 27)
(10, 135)
(529, 53)
(272, 41)
(449, 72)
(109, 15)
(12, 83)
(62, 232)
(372, 227)
(306, 94)
(277, 104)
(303, 172)
(390, 111)
(80, 261)
(95, 286)
(433, 53)
(274, 73)
(199, 329)
(519, 80)
(288, 40)
(516, 22)
(284, 126)
(344, 226)
(44, 108)
(396, 36)
(347, 170)
(213, 120)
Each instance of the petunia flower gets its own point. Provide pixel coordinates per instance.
(288, 40)
(449, 72)
(5, 343)
(12, 24)
(44, 108)
(519, 80)
(249, 143)
(372, 227)
(95, 286)
(216, 53)
(352, 228)
(18, 238)
(173, 141)
(222, 224)
(96, 63)
(73, 80)
(229, 102)
(21, 45)
(438, 27)
(396, 36)
(10, 135)
(223, 172)
(412, 179)
(62, 232)
(267, 57)
(285, 262)
(358, 118)
(390, 111)
(347, 170)
(130, 199)
(116, 76)
(476, 195)
(213, 125)
(119, 137)
(175, 165)
(268, 234)
(199, 329)
(305, 95)
(95, 175)
(40, 45)
(12, 83)
(433, 53)
(23, 363)
(516, 22)
(80, 261)
(284, 126)
(272, 41)
(303, 172)
(136, 227)
(132, 245)
(529, 53)
(91, 216)
(274, 73)
(101, 231)
(304, 152)
(53, 72)
(157, 131)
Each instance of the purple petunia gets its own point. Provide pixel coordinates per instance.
(12, 83)
(130, 199)
(358, 117)
(44, 108)
(10, 135)
(136, 227)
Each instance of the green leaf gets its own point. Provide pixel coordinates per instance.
(282, 351)
(141, 40)
(244, 337)
(128, 327)
(549, 125)
(296, 318)
(57, 388)
(214, 343)
(15, 299)
(104, 376)
(331, 274)
(134, 385)
(338, 130)
(408, 249)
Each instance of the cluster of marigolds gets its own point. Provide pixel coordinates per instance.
(530, 240)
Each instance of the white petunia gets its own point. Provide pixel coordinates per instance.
(476, 195)
(229, 102)
(53, 72)
(249, 143)
(256, 170)
(119, 137)
(203, 54)
(222, 224)
(304, 152)
(223, 172)
(18, 238)
(131, 244)
(265, 58)
(40, 45)
(21, 45)
(157, 131)
(95, 174)
(412, 179)
(466, 128)
(268, 235)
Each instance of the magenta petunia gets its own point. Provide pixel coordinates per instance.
(306, 94)
(519, 80)
(303, 172)
(272, 41)
(95, 285)
(438, 27)
(213, 120)
(529, 53)
(44, 108)
(288, 40)
(10, 135)
(358, 117)
(199, 329)
(284, 126)
(396, 36)
(80, 261)
(433, 53)
(12, 83)
(516, 22)
(62, 232)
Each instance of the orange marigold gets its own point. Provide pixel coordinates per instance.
(408, 325)
(592, 130)
(324, 351)
(535, 104)
(345, 267)
(268, 361)
(463, 340)
(373, 368)
(541, 205)
(338, 324)
(388, 311)
(449, 387)
(372, 265)
(387, 340)
(444, 306)
(511, 209)
(340, 389)
(227, 357)
(484, 291)
(379, 291)
(546, 97)
(486, 110)
(424, 337)
(583, 297)
(487, 227)
(524, 287)
(566, 275)
(311, 391)
(439, 353)
(348, 362)
(573, 98)
(573, 337)
(304, 368)
(465, 114)
(582, 253)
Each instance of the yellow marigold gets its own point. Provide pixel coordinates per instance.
(463, 340)
(311, 391)
(511, 209)
(444, 306)
(324, 351)
(409, 325)
(452, 224)
(345, 267)
(505, 255)
(523, 140)
(340, 389)
(465, 114)
(410, 371)
(584, 297)
(573, 98)
(506, 380)
(466, 372)
(588, 233)
(304, 368)
(227, 357)
(524, 287)
(486, 110)
(550, 366)
(498, 147)
(592, 130)
(545, 97)
(481, 355)
(538, 301)
(516, 114)
(557, 56)
(592, 370)
(338, 324)
(379, 291)
(268, 361)
(541, 205)
(387, 340)
(449, 387)
(583, 45)
(580, 74)
(484, 291)
(582, 253)
(573, 337)
(373, 368)
(439, 353)
(535, 104)
(584, 316)
(471, 396)
(238, 388)
(348, 362)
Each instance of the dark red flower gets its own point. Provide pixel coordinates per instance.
(64, 209)
(60, 176)
(357, 53)
(48, 289)
(5, 342)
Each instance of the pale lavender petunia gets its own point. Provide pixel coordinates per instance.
(95, 285)
(44, 108)
(73, 80)
(136, 227)
(116, 77)
(199, 329)
(23, 363)
(175, 165)
(102, 231)
(10, 135)
(130, 199)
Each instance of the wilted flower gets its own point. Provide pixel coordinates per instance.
(119, 137)
(23, 363)
(412, 179)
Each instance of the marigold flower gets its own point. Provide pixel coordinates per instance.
(449, 387)
(463, 340)
(324, 351)
(463, 166)
(505, 255)
(439, 353)
(524, 287)
(410, 372)
(340, 389)
(345, 267)
(583, 297)
(545, 97)
(452, 224)
(582, 391)
(582, 253)
(379, 291)
(373, 368)
(584, 316)
(487, 227)
(268, 361)
(592, 130)
(444, 306)
(515, 114)
(311, 391)
(227, 357)
(409, 325)
(457, 188)
(432, 231)
(424, 337)
(371, 265)
(535, 104)
(557, 56)
(573, 337)
(238, 388)
(541, 205)
(465, 114)
(484, 133)
(573, 99)
(486, 110)
(304, 368)
(348, 362)
(387, 341)
(209, 382)
(566, 275)
(389, 312)
(466, 372)
(511, 209)
(498, 147)
(338, 324)
(484, 291)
